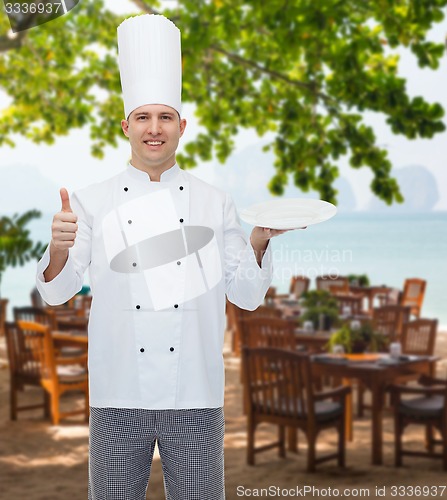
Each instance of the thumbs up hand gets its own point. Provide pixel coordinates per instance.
(65, 200)
(64, 227)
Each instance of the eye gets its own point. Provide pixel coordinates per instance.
(166, 117)
(141, 118)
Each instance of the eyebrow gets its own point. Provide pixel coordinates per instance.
(145, 113)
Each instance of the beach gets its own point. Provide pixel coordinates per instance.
(43, 462)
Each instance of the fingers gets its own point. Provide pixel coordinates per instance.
(65, 200)
(275, 232)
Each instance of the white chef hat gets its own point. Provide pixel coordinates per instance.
(150, 62)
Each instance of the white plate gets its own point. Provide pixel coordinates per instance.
(288, 213)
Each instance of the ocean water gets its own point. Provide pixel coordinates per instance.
(388, 248)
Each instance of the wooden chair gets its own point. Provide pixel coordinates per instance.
(428, 408)
(268, 332)
(280, 391)
(235, 315)
(23, 370)
(275, 333)
(299, 285)
(351, 302)
(419, 337)
(48, 318)
(57, 375)
(413, 295)
(36, 315)
(388, 320)
(333, 283)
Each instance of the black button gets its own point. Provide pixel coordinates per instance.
(126, 189)
(176, 305)
(129, 222)
(178, 263)
(142, 349)
(171, 349)
(138, 307)
(134, 264)
(181, 220)
(181, 188)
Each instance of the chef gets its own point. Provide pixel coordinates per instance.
(163, 249)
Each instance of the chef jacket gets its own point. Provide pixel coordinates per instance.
(157, 317)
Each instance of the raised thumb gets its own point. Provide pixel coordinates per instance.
(65, 200)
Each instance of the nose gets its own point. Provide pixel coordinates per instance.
(154, 126)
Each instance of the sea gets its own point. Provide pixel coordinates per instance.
(388, 248)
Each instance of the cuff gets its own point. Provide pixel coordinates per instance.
(266, 269)
(58, 290)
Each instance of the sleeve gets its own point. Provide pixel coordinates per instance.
(69, 281)
(245, 282)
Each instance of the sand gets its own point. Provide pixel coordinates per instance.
(43, 462)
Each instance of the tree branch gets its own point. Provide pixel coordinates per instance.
(149, 10)
(279, 76)
(8, 43)
(144, 7)
(246, 62)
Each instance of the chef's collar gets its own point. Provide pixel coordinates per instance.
(167, 176)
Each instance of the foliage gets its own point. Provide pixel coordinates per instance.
(16, 247)
(358, 339)
(317, 304)
(302, 70)
(358, 279)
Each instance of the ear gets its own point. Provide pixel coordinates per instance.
(182, 126)
(125, 127)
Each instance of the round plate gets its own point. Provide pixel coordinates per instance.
(288, 213)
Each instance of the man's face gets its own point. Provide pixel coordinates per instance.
(154, 131)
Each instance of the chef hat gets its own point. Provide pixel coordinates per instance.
(149, 56)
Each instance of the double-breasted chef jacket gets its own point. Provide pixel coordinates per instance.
(161, 257)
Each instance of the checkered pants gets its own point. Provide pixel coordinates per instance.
(122, 444)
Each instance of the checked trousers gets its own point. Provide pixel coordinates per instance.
(190, 442)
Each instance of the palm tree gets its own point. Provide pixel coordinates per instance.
(16, 246)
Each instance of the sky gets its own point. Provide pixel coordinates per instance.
(68, 162)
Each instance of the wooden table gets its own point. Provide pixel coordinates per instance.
(370, 293)
(315, 342)
(376, 376)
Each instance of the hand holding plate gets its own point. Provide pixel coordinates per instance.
(285, 213)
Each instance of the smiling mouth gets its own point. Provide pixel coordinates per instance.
(153, 143)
